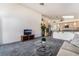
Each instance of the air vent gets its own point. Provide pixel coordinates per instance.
(42, 4)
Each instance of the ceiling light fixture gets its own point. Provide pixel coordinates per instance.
(68, 17)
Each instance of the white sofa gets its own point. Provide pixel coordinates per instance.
(68, 49)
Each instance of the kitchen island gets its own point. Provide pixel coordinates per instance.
(65, 35)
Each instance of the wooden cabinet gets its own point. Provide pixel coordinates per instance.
(27, 37)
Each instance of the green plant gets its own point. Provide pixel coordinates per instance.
(43, 28)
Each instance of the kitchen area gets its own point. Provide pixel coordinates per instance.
(66, 29)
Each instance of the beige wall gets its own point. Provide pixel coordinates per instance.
(0, 31)
(15, 18)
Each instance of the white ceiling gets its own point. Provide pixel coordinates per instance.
(55, 9)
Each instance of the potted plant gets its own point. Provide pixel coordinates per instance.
(43, 28)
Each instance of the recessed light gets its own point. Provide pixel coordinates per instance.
(74, 23)
(65, 24)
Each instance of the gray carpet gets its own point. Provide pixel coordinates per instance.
(27, 48)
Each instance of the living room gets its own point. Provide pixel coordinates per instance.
(60, 19)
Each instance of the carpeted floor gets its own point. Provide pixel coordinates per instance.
(27, 48)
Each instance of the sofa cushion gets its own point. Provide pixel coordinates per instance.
(69, 47)
(63, 52)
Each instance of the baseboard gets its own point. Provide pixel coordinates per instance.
(16, 42)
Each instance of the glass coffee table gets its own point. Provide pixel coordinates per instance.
(43, 48)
